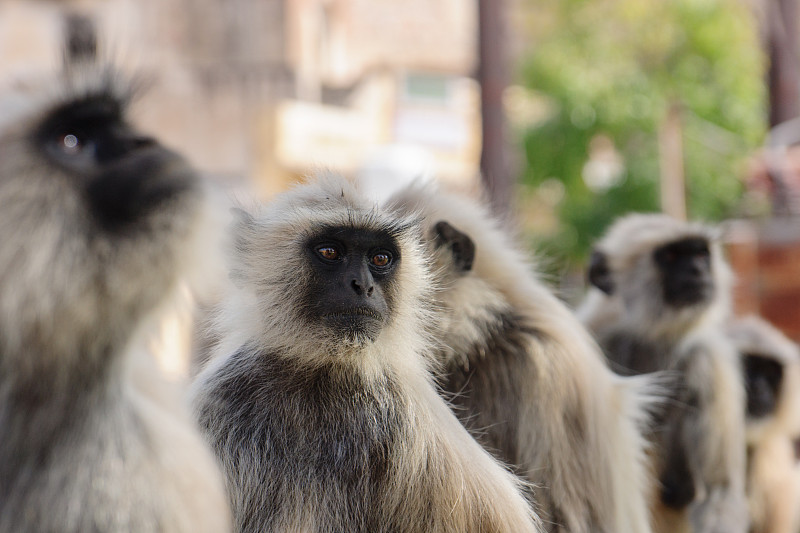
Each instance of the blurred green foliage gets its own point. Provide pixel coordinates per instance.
(613, 68)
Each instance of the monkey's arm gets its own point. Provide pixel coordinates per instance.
(715, 437)
(677, 479)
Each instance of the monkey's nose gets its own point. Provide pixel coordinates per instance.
(363, 286)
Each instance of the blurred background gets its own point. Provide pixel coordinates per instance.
(568, 112)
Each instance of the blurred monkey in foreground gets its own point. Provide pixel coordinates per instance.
(771, 365)
(319, 402)
(526, 378)
(659, 303)
(97, 225)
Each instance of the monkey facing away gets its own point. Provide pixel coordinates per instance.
(659, 302)
(97, 223)
(771, 365)
(526, 378)
(319, 402)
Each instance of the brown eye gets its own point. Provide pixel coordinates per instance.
(328, 252)
(381, 260)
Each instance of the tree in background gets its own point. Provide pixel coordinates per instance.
(611, 73)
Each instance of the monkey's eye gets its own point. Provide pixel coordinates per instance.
(73, 148)
(70, 144)
(381, 259)
(329, 253)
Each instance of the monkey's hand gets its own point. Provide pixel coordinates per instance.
(723, 511)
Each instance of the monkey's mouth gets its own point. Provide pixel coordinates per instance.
(690, 293)
(354, 313)
(355, 323)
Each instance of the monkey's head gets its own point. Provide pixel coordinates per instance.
(97, 219)
(771, 366)
(328, 271)
(482, 275)
(665, 272)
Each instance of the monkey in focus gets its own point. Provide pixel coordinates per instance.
(771, 365)
(526, 378)
(659, 302)
(98, 223)
(319, 402)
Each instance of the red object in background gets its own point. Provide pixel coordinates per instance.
(766, 261)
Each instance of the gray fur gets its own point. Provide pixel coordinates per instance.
(526, 378)
(320, 433)
(83, 447)
(699, 440)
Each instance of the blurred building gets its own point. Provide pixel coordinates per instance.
(261, 92)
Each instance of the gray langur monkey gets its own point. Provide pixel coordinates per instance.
(659, 302)
(98, 224)
(526, 378)
(771, 365)
(319, 402)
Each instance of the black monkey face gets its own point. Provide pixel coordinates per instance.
(123, 175)
(763, 378)
(352, 281)
(685, 268)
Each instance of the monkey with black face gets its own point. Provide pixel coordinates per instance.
(526, 378)
(659, 303)
(98, 224)
(319, 403)
(771, 364)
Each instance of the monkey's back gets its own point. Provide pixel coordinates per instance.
(491, 370)
(505, 390)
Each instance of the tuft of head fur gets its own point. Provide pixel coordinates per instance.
(83, 447)
(563, 419)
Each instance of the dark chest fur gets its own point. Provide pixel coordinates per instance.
(307, 431)
(630, 355)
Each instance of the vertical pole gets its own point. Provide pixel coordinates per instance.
(670, 152)
(782, 77)
(493, 78)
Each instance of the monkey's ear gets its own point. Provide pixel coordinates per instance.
(461, 246)
(241, 216)
(599, 274)
(243, 224)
